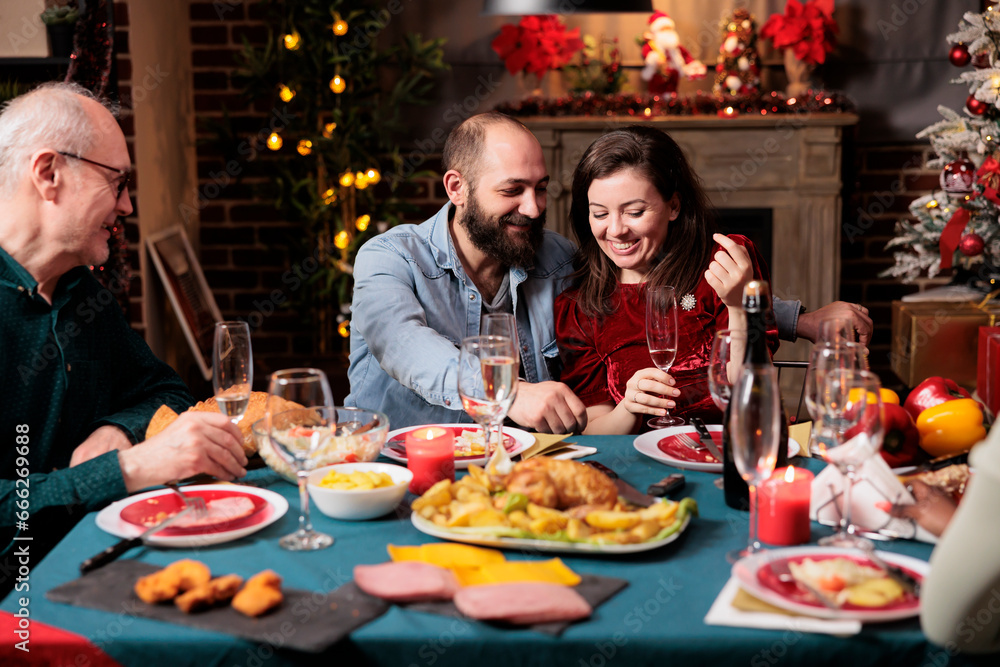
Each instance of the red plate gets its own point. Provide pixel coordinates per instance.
(151, 511)
(398, 443)
(673, 447)
(791, 591)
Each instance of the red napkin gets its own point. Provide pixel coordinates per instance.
(47, 645)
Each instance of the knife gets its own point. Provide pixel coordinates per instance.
(706, 438)
(897, 574)
(113, 552)
(625, 490)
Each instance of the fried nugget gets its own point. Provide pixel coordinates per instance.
(261, 594)
(215, 591)
(561, 484)
(167, 583)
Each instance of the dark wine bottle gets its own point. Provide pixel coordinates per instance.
(757, 305)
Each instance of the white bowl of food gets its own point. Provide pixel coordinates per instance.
(359, 437)
(358, 491)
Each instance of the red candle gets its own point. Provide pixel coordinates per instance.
(783, 502)
(430, 456)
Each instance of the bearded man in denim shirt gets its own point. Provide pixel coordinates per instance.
(420, 289)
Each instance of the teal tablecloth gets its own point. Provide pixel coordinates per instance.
(656, 620)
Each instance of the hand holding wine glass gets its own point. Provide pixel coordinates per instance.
(487, 382)
(661, 337)
(232, 368)
(297, 434)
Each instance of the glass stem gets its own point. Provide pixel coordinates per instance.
(753, 546)
(305, 526)
(846, 528)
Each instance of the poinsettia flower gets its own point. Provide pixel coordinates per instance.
(807, 28)
(537, 44)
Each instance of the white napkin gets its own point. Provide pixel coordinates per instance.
(723, 612)
(876, 483)
(573, 452)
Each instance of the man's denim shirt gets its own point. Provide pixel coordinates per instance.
(413, 305)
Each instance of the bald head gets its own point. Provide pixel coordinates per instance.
(61, 116)
(465, 146)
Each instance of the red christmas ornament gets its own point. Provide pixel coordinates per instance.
(975, 107)
(958, 177)
(971, 245)
(981, 60)
(959, 55)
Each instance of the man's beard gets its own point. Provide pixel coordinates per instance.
(490, 236)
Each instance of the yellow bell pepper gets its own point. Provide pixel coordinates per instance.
(889, 396)
(951, 427)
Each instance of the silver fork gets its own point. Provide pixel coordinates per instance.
(688, 441)
(197, 504)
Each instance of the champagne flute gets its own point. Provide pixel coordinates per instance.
(487, 383)
(297, 434)
(661, 337)
(755, 429)
(852, 408)
(726, 360)
(837, 330)
(232, 368)
(824, 359)
(501, 324)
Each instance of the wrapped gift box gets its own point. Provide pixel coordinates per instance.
(988, 377)
(937, 338)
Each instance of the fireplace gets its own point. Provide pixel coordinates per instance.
(753, 223)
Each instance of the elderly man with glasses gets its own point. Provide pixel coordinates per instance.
(79, 386)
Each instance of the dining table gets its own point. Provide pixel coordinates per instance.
(658, 618)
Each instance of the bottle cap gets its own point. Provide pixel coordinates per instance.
(757, 296)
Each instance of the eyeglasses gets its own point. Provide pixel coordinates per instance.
(126, 174)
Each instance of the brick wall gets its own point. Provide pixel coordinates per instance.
(888, 179)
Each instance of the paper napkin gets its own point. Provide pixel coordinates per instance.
(876, 484)
(754, 613)
(544, 442)
(800, 434)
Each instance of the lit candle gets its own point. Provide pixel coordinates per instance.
(727, 112)
(430, 456)
(784, 507)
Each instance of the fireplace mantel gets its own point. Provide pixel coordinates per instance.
(789, 163)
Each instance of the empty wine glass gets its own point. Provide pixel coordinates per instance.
(661, 337)
(825, 358)
(726, 360)
(232, 368)
(836, 330)
(755, 416)
(852, 412)
(487, 383)
(296, 434)
(502, 324)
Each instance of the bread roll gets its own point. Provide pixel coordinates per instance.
(255, 411)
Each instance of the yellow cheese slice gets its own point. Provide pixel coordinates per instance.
(448, 555)
(550, 572)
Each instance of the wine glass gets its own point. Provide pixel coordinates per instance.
(297, 434)
(755, 418)
(502, 324)
(724, 364)
(661, 337)
(824, 358)
(852, 412)
(487, 383)
(837, 330)
(232, 368)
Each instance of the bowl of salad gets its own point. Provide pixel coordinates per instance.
(355, 435)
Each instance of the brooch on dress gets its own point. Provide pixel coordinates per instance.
(688, 302)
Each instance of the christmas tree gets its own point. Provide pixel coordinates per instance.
(960, 220)
(343, 96)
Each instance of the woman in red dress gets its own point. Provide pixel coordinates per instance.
(641, 218)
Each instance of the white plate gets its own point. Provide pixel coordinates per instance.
(647, 444)
(109, 519)
(456, 535)
(522, 440)
(747, 573)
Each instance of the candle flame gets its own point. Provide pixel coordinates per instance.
(790, 474)
(429, 433)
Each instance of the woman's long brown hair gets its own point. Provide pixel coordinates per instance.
(687, 248)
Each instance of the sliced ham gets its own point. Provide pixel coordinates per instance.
(406, 581)
(220, 510)
(522, 604)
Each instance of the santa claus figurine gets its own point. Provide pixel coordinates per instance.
(666, 60)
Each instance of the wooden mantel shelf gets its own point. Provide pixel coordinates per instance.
(701, 122)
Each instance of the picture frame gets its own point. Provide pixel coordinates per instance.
(184, 282)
